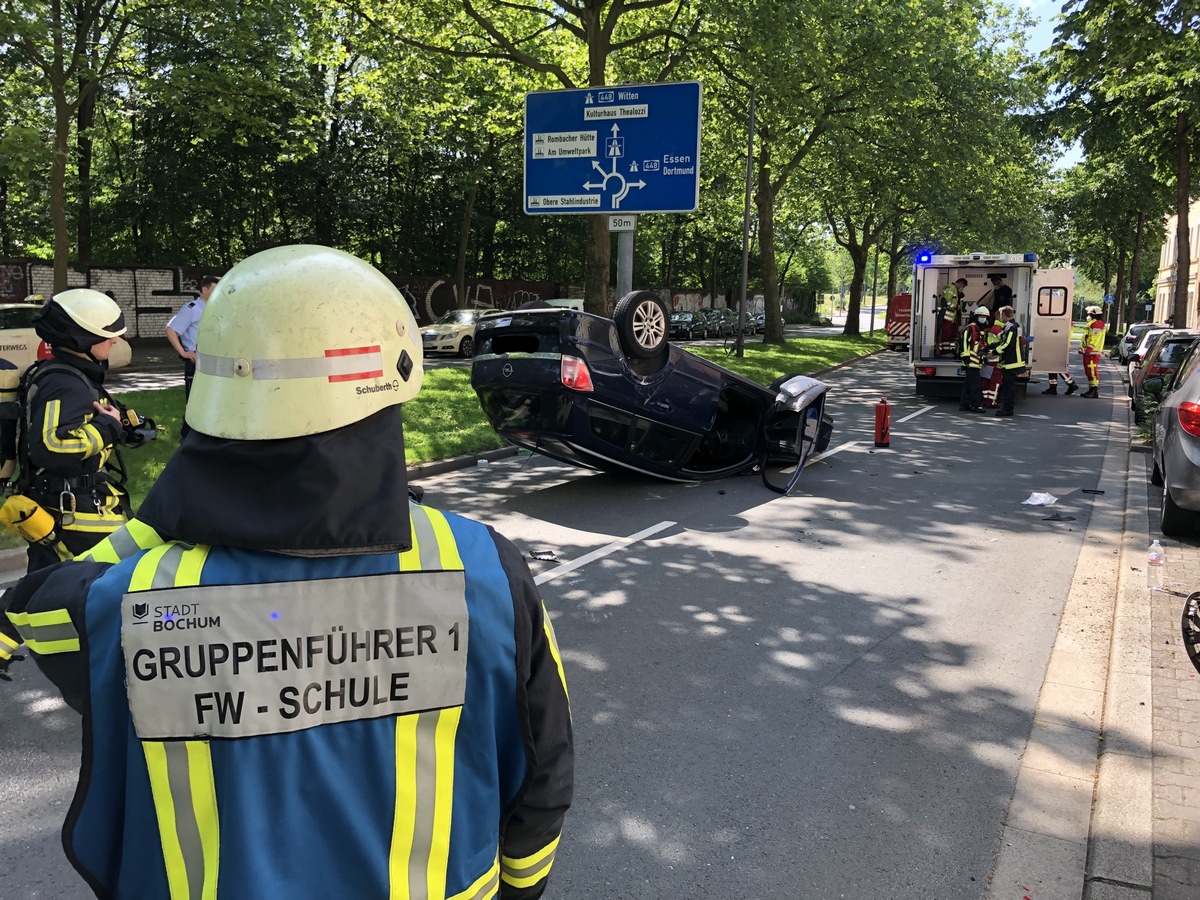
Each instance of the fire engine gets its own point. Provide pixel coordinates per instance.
(1042, 299)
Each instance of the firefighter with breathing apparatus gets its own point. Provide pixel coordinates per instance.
(63, 430)
(401, 727)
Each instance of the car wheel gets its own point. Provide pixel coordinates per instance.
(641, 319)
(1174, 521)
(466, 347)
(1156, 477)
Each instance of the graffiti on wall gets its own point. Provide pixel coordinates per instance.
(13, 286)
(430, 298)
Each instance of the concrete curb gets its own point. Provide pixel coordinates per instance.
(1121, 839)
(1052, 845)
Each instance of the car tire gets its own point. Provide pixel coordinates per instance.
(466, 347)
(641, 319)
(1175, 521)
(1156, 476)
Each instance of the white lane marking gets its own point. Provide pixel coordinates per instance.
(601, 552)
(923, 409)
(825, 455)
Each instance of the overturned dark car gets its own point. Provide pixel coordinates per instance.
(614, 394)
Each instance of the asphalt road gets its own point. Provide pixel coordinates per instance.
(820, 696)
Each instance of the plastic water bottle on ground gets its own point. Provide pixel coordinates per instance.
(1156, 563)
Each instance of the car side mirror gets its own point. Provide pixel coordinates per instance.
(1155, 386)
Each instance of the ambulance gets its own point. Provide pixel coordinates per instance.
(1041, 297)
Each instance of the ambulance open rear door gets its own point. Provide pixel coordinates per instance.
(1054, 291)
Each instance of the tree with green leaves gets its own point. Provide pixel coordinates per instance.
(1137, 61)
(74, 46)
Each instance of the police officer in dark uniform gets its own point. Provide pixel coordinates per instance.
(71, 425)
(295, 680)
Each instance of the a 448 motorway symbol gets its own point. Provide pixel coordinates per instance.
(614, 149)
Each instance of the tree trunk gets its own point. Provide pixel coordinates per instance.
(596, 275)
(1183, 256)
(1119, 291)
(84, 119)
(764, 201)
(1135, 269)
(57, 185)
(858, 256)
(464, 241)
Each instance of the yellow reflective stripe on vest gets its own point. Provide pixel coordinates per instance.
(424, 802)
(168, 565)
(552, 638)
(420, 848)
(185, 801)
(131, 539)
(528, 870)
(485, 887)
(47, 632)
(433, 546)
(181, 773)
(96, 523)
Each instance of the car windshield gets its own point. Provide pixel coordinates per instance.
(1172, 351)
(457, 317)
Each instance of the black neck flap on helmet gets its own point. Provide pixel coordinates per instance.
(340, 492)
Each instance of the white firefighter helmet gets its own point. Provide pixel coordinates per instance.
(1093, 310)
(300, 340)
(982, 311)
(94, 312)
(79, 319)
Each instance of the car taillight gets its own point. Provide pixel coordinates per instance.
(925, 370)
(1189, 417)
(575, 375)
(1159, 370)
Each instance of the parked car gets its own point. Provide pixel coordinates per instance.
(760, 322)
(1139, 351)
(1162, 359)
(688, 326)
(750, 323)
(1130, 339)
(615, 394)
(1175, 444)
(454, 332)
(720, 321)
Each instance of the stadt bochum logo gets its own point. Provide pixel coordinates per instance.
(141, 610)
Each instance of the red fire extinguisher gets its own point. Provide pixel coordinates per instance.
(883, 424)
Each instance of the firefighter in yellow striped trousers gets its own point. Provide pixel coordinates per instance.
(296, 681)
(1091, 345)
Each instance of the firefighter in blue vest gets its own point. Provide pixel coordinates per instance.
(296, 681)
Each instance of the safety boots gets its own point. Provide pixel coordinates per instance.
(1092, 393)
(1072, 388)
(1053, 389)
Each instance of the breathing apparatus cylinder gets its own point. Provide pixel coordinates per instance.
(27, 518)
(10, 412)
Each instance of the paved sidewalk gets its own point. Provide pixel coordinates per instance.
(1176, 713)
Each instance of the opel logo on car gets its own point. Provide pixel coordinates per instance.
(507, 370)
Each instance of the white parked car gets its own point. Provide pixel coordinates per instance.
(1139, 353)
(454, 332)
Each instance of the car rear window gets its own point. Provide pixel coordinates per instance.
(17, 318)
(1173, 351)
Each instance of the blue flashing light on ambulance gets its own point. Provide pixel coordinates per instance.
(1042, 299)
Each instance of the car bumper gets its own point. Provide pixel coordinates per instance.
(1181, 467)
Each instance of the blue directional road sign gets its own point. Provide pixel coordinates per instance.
(628, 149)
(1109, 298)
